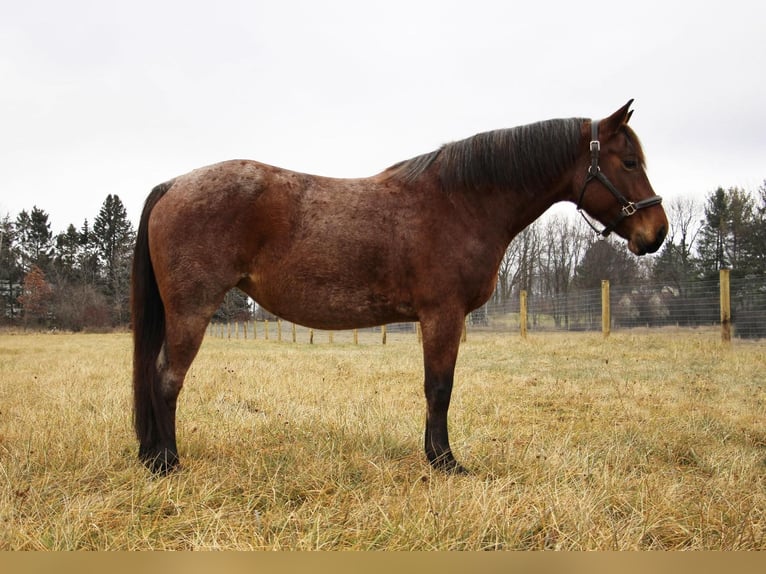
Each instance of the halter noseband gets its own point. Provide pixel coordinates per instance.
(627, 208)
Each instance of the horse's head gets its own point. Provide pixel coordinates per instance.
(613, 187)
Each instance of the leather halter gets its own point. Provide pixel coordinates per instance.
(627, 208)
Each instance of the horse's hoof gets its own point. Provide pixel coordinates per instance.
(448, 465)
(160, 463)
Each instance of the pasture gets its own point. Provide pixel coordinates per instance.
(646, 440)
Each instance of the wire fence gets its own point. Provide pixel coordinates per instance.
(693, 304)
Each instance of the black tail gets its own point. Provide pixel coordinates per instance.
(148, 317)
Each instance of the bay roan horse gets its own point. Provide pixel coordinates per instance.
(421, 241)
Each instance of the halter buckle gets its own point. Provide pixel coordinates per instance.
(629, 209)
(595, 148)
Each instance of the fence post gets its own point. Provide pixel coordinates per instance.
(331, 337)
(356, 337)
(523, 313)
(464, 336)
(279, 330)
(725, 289)
(606, 313)
(293, 332)
(419, 332)
(383, 333)
(311, 336)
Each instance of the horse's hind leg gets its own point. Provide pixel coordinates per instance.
(183, 337)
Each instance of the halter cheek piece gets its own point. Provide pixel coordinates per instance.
(627, 208)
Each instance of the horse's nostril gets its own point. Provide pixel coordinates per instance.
(661, 234)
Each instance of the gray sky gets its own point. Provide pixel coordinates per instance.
(100, 97)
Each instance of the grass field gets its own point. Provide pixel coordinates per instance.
(644, 441)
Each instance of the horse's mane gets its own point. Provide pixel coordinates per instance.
(527, 158)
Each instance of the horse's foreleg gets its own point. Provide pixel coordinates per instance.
(441, 339)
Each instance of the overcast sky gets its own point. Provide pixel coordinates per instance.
(100, 97)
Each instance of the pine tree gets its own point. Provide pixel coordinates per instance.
(87, 258)
(67, 251)
(114, 238)
(35, 239)
(10, 271)
(723, 237)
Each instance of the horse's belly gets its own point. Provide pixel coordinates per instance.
(324, 302)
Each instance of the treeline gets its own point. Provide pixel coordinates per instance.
(79, 279)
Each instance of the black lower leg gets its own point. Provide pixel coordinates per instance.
(158, 451)
(438, 451)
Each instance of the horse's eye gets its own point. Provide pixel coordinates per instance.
(629, 164)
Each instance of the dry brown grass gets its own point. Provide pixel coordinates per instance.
(644, 441)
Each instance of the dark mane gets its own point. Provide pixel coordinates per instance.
(527, 157)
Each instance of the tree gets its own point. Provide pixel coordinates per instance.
(67, 252)
(675, 264)
(562, 246)
(518, 265)
(36, 295)
(755, 236)
(723, 238)
(235, 307)
(114, 238)
(87, 256)
(605, 260)
(10, 271)
(35, 239)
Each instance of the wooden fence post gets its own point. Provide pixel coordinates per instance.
(356, 336)
(725, 289)
(464, 336)
(606, 313)
(293, 332)
(244, 329)
(311, 336)
(383, 333)
(279, 330)
(419, 332)
(523, 313)
(331, 337)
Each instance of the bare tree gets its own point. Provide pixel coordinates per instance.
(563, 245)
(675, 264)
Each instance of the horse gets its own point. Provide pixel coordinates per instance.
(420, 241)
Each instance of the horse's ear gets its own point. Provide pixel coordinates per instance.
(619, 118)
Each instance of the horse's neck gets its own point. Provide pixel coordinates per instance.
(508, 212)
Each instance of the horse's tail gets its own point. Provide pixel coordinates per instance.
(148, 318)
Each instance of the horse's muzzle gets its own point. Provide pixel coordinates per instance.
(640, 244)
